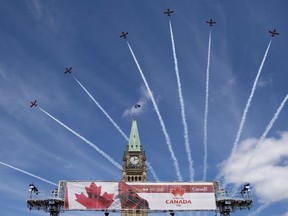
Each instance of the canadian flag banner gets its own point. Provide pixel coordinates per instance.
(119, 196)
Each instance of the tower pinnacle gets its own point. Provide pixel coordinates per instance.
(134, 140)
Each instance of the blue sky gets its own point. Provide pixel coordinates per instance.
(38, 39)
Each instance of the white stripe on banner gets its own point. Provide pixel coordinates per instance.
(117, 196)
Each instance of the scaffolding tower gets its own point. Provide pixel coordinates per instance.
(39, 201)
(238, 200)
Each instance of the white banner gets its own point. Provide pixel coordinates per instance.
(118, 196)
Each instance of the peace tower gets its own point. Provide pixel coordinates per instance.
(134, 165)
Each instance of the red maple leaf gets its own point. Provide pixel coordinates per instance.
(177, 191)
(95, 200)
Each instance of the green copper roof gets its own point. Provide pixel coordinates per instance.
(134, 140)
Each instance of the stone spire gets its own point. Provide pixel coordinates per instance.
(134, 140)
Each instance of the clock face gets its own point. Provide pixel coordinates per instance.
(134, 160)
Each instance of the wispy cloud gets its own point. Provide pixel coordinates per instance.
(263, 137)
(43, 12)
(144, 99)
(267, 172)
(2, 73)
(102, 109)
(163, 126)
(28, 173)
(96, 148)
(259, 210)
(248, 104)
(269, 126)
(36, 6)
(263, 83)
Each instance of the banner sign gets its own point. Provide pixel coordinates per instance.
(119, 196)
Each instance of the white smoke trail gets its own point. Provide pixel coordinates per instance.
(30, 174)
(243, 119)
(206, 111)
(268, 128)
(85, 140)
(236, 142)
(167, 137)
(101, 108)
(149, 167)
(182, 106)
(115, 125)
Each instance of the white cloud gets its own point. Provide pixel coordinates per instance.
(265, 168)
(132, 111)
(3, 73)
(45, 13)
(259, 210)
(263, 83)
(37, 8)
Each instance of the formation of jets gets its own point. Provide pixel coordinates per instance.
(168, 12)
(34, 103)
(273, 33)
(211, 22)
(68, 70)
(124, 35)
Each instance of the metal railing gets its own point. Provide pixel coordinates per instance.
(41, 195)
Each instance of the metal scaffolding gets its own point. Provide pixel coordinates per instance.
(39, 201)
(238, 200)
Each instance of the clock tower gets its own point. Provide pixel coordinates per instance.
(134, 166)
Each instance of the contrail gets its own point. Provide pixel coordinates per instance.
(236, 142)
(243, 119)
(268, 128)
(30, 174)
(101, 108)
(168, 141)
(182, 106)
(115, 125)
(206, 111)
(85, 140)
(149, 167)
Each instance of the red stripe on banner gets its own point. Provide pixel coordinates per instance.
(174, 189)
(66, 202)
